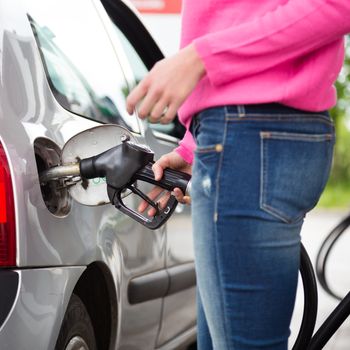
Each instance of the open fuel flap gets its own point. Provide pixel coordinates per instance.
(86, 144)
(101, 165)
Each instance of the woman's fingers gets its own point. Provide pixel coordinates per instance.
(170, 160)
(158, 111)
(153, 194)
(163, 200)
(168, 84)
(145, 109)
(169, 114)
(159, 166)
(180, 197)
(135, 96)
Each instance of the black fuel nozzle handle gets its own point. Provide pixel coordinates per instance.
(159, 219)
(169, 181)
(171, 178)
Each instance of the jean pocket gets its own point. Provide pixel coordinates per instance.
(205, 169)
(294, 171)
(209, 149)
(208, 138)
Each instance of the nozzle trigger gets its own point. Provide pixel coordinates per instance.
(161, 216)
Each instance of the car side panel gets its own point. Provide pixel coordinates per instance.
(28, 110)
(36, 317)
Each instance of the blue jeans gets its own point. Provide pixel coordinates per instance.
(257, 171)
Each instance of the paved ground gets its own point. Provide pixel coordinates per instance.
(317, 225)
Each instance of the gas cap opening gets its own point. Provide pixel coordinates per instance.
(55, 193)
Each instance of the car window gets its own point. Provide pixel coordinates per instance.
(80, 62)
(140, 70)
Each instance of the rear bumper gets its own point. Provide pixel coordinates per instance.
(34, 308)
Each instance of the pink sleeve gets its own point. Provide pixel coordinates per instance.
(186, 147)
(292, 30)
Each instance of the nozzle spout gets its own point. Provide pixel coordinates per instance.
(59, 172)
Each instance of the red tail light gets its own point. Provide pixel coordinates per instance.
(7, 214)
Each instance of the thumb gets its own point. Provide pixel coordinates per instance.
(158, 171)
(159, 166)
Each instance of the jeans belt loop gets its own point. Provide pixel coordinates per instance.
(241, 111)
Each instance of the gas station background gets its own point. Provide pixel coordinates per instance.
(162, 18)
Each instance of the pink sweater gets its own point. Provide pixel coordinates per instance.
(261, 51)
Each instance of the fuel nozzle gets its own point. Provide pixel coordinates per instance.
(122, 166)
(118, 164)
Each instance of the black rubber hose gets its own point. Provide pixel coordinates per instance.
(331, 325)
(323, 254)
(310, 302)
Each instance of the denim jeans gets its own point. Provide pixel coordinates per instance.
(257, 171)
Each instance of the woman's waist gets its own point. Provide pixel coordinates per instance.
(256, 98)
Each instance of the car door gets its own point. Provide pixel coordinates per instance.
(87, 81)
(141, 52)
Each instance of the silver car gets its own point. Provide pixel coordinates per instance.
(74, 276)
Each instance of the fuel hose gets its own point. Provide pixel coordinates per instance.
(324, 253)
(310, 302)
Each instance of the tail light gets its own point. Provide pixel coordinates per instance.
(7, 214)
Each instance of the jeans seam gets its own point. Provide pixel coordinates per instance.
(295, 136)
(216, 204)
(206, 149)
(275, 213)
(279, 118)
(262, 172)
(294, 115)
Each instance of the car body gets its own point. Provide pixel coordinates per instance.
(65, 67)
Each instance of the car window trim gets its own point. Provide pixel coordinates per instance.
(162, 136)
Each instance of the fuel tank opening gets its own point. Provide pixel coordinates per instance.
(55, 193)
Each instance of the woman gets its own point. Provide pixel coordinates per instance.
(252, 84)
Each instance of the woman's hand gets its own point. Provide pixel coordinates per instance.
(170, 160)
(166, 86)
